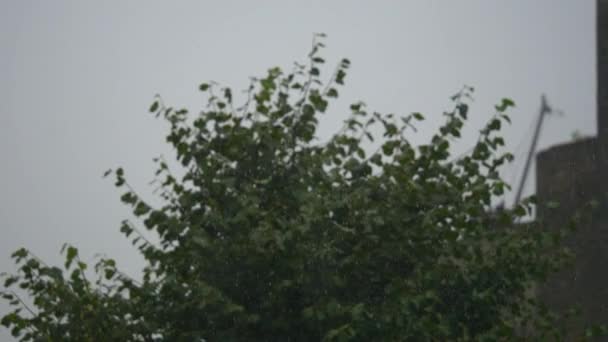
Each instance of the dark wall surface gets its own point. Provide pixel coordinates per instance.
(573, 175)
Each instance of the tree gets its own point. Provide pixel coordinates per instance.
(272, 235)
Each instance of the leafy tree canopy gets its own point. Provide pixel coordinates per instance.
(271, 235)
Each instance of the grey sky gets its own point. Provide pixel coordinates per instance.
(77, 77)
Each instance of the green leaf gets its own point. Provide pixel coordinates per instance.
(9, 281)
(519, 211)
(141, 209)
(418, 116)
(494, 124)
(340, 76)
(128, 198)
(154, 107)
(71, 254)
(504, 105)
(126, 229)
(19, 254)
(332, 92)
(508, 102)
(463, 110)
(308, 111)
(203, 87)
(376, 159)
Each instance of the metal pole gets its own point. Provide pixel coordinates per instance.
(544, 109)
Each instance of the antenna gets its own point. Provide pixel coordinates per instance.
(544, 109)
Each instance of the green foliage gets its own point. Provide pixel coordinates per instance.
(273, 236)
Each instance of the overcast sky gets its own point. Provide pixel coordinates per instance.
(77, 77)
